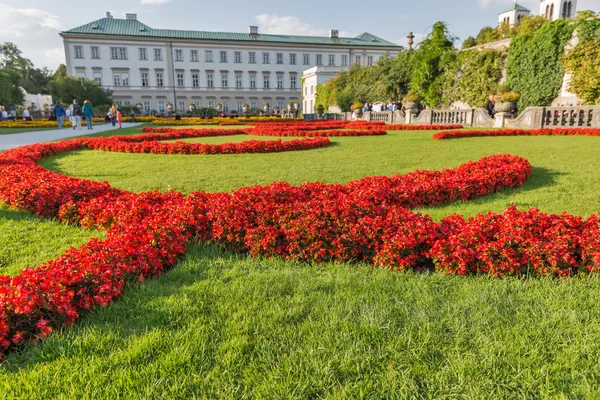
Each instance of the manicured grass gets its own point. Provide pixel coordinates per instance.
(227, 326)
(223, 325)
(566, 169)
(10, 131)
(27, 241)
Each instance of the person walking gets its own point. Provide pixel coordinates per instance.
(60, 113)
(88, 113)
(76, 115)
(113, 115)
(26, 115)
(119, 118)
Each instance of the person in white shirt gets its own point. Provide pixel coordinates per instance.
(4, 115)
(26, 115)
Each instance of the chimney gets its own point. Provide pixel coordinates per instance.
(109, 15)
(132, 17)
(253, 30)
(334, 34)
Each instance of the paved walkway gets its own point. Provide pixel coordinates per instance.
(20, 139)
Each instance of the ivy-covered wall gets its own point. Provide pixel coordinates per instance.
(583, 62)
(534, 68)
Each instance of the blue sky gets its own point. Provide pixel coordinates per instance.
(34, 24)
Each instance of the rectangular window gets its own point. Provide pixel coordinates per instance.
(197, 104)
(357, 60)
(238, 81)
(252, 81)
(122, 53)
(208, 55)
(239, 107)
(281, 105)
(252, 58)
(223, 57)
(265, 58)
(157, 54)
(226, 106)
(253, 105)
(238, 57)
(332, 59)
(292, 58)
(194, 56)
(279, 81)
(178, 55)
(121, 78)
(180, 80)
(81, 75)
(161, 106)
(279, 58)
(143, 53)
(98, 78)
(210, 82)
(319, 59)
(95, 52)
(181, 106)
(159, 79)
(211, 104)
(195, 80)
(266, 83)
(306, 59)
(147, 106)
(370, 60)
(78, 51)
(292, 81)
(115, 53)
(224, 80)
(344, 60)
(145, 79)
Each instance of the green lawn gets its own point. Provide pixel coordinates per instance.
(223, 325)
(10, 131)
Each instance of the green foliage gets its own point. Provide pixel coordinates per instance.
(33, 80)
(469, 42)
(504, 31)
(434, 56)
(68, 88)
(583, 63)
(588, 27)
(9, 89)
(534, 67)
(487, 34)
(482, 70)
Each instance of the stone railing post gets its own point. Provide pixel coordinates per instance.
(410, 116)
(596, 117)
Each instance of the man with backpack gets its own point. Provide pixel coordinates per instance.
(76, 114)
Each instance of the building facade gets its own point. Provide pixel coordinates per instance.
(550, 9)
(158, 67)
(311, 79)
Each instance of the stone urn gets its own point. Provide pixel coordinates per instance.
(140, 107)
(219, 107)
(170, 107)
(266, 108)
(412, 105)
(192, 108)
(275, 109)
(320, 109)
(505, 107)
(245, 108)
(358, 112)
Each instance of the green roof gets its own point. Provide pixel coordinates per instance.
(517, 7)
(131, 27)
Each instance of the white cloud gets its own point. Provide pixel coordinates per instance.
(154, 2)
(403, 41)
(35, 32)
(289, 25)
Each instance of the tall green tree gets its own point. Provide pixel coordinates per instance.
(66, 89)
(433, 56)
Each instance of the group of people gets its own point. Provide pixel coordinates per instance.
(75, 113)
(491, 107)
(116, 117)
(381, 107)
(12, 115)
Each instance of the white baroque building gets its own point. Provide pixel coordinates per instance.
(156, 67)
(550, 9)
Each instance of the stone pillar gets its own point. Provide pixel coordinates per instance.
(596, 117)
(410, 116)
(500, 119)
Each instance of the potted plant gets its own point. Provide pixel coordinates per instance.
(505, 102)
(219, 106)
(411, 100)
(358, 109)
(320, 109)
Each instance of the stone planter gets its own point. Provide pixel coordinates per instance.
(358, 112)
(266, 108)
(170, 107)
(219, 107)
(411, 105)
(504, 107)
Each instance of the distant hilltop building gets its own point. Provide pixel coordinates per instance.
(550, 9)
(160, 67)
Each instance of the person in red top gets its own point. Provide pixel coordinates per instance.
(119, 118)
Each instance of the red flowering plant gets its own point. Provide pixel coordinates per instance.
(518, 132)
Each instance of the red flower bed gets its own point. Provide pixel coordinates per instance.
(230, 123)
(433, 127)
(272, 131)
(519, 132)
